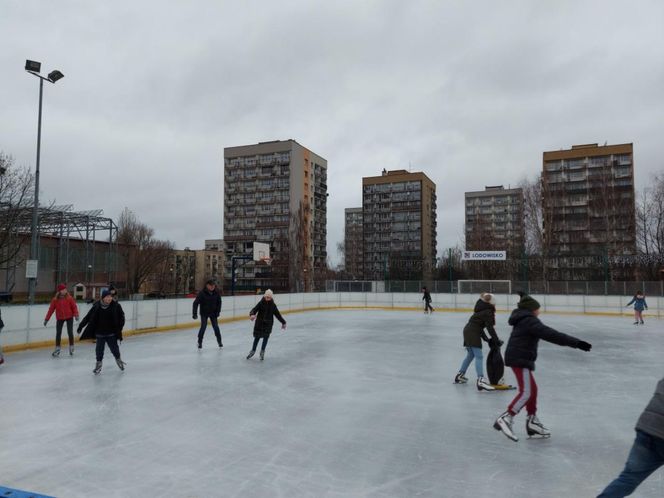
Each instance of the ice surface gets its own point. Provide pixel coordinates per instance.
(346, 403)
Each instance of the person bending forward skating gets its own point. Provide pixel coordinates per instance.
(647, 453)
(105, 323)
(263, 315)
(521, 354)
(484, 317)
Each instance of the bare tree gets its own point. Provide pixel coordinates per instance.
(142, 253)
(16, 197)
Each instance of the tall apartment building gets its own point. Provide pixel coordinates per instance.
(399, 225)
(276, 193)
(588, 206)
(494, 220)
(353, 244)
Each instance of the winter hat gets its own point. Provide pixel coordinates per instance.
(105, 292)
(527, 303)
(268, 293)
(61, 287)
(211, 282)
(487, 297)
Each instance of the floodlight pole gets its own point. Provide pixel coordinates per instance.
(32, 282)
(33, 68)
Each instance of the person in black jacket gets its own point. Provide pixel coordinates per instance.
(426, 297)
(104, 322)
(263, 315)
(520, 354)
(2, 325)
(483, 317)
(209, 300)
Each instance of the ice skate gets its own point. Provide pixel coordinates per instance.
(483, 385)
(642, 322)
(2, 360)
(71, 350)
(97, 369)
(200, 345)
(262, 354)
(221, 345)
(460, 378)
(635, 323)
(251, 353)
(504, 424)
(534, 428)
(121, 364)
(56, 353)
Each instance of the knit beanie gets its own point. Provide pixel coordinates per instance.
(268, 293)
(527, 303)
(105, 293)
(61, 287)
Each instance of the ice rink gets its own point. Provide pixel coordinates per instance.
(348, 403)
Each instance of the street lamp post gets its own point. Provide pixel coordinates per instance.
(33, 68)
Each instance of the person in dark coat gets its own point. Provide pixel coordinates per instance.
(483, 317)
(426, 297)
(263, 315)
(209, 301)
(520, 354)
(105, 322)
(2, 325)
(647, 454)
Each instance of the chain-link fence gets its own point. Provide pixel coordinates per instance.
(589, 288)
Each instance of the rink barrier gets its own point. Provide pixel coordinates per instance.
(24, 323)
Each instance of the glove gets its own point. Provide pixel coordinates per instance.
(78, 330)
(584, 346)
(76, 318)
(45, 322)
(283, 326)
(195, 317)
(252, 317)
(500, 343)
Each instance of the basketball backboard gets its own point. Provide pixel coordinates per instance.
(262, 252)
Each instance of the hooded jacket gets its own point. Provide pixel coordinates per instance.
(651, 420)
(484, 317)
(527, 331)
(113, 316)
(64, 307)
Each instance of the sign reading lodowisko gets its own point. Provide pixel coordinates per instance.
(484, 255)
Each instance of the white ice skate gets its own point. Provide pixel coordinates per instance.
(504, 424)
(97, 369)
(121, 364)
(262, 354)
(534, 428)
(71, 350)
(483, 385)
(251, 353)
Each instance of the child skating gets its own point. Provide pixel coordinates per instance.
(520, 355)
(105, 322)
(484, 317)
(263, 315)
(65, 311)
(640, 304)
(426, 297)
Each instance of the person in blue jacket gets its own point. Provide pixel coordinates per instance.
(640, 304)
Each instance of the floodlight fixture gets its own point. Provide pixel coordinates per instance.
(54, 76)
(32, 66)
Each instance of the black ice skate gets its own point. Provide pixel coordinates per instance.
(262, 354)
(460, 378)
(534, 428)
(200, 345)
(251, 353)
(504, 424)
(121, 364)
(97, 369)
(56, 353)
(636, 323)
(642, 322)
(220, 344)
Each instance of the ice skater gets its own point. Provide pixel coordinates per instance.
(65, 311)
(263, 315)
(521, 354)
(647, 453)
(640, 304)
(209, 300)
(426, 297)
(483, 317)
(104, 323)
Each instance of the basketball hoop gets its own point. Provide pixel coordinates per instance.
(265, 261)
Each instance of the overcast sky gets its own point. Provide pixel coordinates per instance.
(471, 93)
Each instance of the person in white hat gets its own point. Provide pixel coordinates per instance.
(263, 315)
